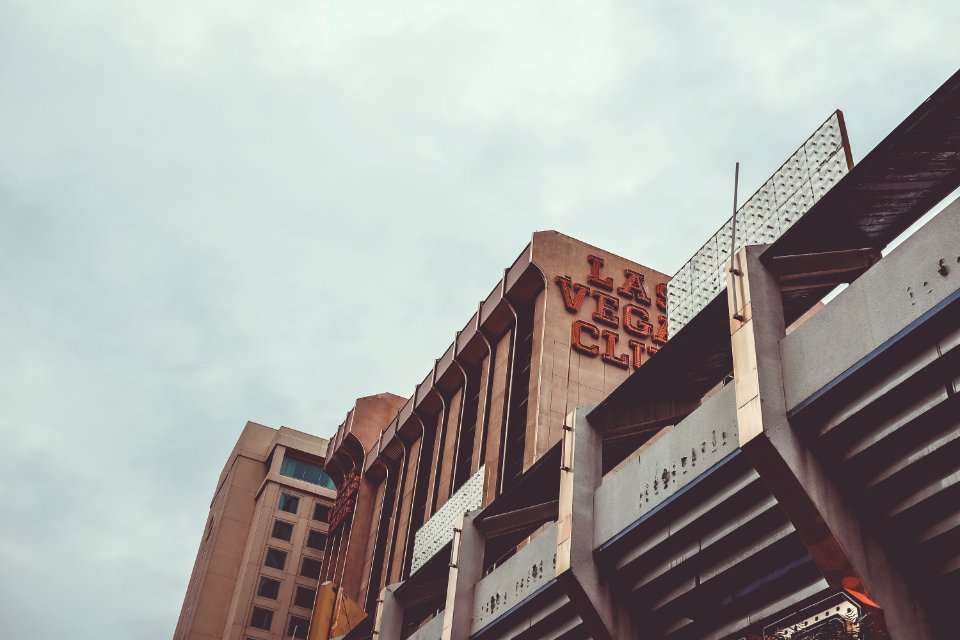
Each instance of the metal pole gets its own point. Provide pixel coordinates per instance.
(733, 241)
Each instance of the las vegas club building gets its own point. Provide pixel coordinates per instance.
(765, 445)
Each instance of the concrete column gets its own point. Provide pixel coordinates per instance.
(580, 476)
(844, 550)
(388, 620)
(466, 569)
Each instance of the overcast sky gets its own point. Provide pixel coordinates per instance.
(219, 211)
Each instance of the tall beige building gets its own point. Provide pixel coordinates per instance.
(257, 570)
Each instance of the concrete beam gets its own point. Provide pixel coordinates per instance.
(815, 270)
(828, 524)
(512, 521)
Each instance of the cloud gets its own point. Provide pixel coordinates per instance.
(222, 211)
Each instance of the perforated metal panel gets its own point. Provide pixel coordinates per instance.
(789, 193)
(438, 530)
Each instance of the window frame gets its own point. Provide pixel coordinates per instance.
(253, 611)
(290, 620)
(310, 532)
(260, 584)
(296, 593)
(273, 529)
(303, 561)
(283, 564)
(294, 498)
(326, 509)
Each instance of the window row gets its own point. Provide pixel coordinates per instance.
(291, 504)
(262, 618)
(283, 530)
(302, 597)
(277, 559)
(307, 471)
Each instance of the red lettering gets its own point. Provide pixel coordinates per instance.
(660, 337)
(606, 309)
(576, 329)
(573, 293)
(632, 287)
(662, 296)
(636, 320)
(609, 355)
(596, 263)
(636, 347)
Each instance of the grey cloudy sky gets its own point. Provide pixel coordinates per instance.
(219, 211)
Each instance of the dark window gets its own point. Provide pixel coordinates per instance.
(275, 558)
(288, 503)
(282, 530)
(321, 512)
(297, 627)
(310, 568)
(316, 540)
(268, 588)
(305, 597)
(308, 471)
(261, 618)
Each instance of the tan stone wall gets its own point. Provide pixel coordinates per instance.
(221, 593)
(565, 378)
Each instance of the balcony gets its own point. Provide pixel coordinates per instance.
(524, 575)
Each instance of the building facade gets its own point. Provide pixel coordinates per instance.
(798, 473)
(780, 469)
(259, 562)
(565, 325)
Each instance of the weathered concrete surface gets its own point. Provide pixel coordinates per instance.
(466, 569)
(674, 460)
(581, 474)
(844, 550)
(896, 291)
(517, 578)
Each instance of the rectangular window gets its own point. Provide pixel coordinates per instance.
(305, 597)
(268, 588)
(321, 512)
(307, 471)
(316, 540)
(297, 627)
(261, 618)
(282, 530)
(288, 503)
(310, 568)
(275, 558)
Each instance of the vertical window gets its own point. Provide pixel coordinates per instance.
(316, 540)
(282, 530)
(321, 512)
(305, 597)
(275, 558)
(268, 588)
(288, 503)
(297, 627)
(310, 568)
(261, 618)
(516, 428)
